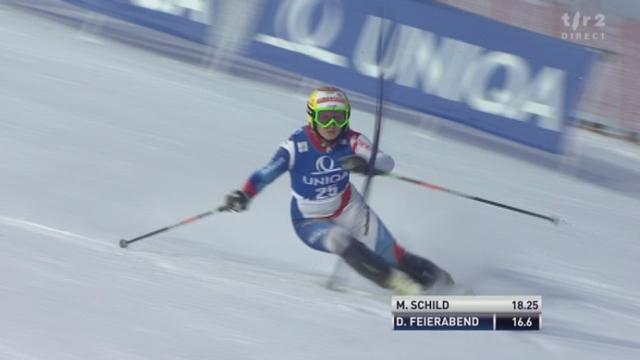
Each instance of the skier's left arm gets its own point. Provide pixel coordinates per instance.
(362, 152)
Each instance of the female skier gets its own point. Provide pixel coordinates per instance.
(327, 212)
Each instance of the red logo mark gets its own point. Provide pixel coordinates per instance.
(331, 98)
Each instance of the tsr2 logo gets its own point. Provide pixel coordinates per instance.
(585, 27)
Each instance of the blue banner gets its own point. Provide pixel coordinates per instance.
(435, 59)
(188, 19)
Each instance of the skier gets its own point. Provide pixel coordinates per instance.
(327, 212)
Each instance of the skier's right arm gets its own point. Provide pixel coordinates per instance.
(238, 200)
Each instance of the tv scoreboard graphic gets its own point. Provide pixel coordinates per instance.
(467, 312)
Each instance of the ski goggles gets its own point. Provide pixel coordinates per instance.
(327, 117)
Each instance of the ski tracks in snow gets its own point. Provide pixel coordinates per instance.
(220, 271)
(56, 233)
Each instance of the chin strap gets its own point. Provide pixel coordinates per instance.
(325, 141)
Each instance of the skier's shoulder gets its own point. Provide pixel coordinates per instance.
(298, 139)
(298, 134)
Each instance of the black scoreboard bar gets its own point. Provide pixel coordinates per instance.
(515, 313)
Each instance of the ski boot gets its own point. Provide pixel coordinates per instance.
(425, 272)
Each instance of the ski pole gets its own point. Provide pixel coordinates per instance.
(124, 243)
(553, 219)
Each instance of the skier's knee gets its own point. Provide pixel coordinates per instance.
(338, 240)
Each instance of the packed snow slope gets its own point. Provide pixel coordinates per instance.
(100, 141)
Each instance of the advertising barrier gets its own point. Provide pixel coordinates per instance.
(435, 59)
(510, 82)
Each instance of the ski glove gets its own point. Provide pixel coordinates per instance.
(236, 201)
(357, 164)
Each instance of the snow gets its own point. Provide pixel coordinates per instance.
(101, 141)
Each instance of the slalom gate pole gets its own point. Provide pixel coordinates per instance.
(554, 219)
(124, 243)
(333, 278)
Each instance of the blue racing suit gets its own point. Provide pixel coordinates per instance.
(324, 204)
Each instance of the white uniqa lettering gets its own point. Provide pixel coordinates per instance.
(543, 96)
(196, 10)
(365, 53)
(436, 70)
(492, 100)
(324, 180)
(315, 181)
(337, 177)
(459, 71)
(295, 18)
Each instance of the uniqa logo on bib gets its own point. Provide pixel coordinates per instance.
(324, 165)
(326, 173)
